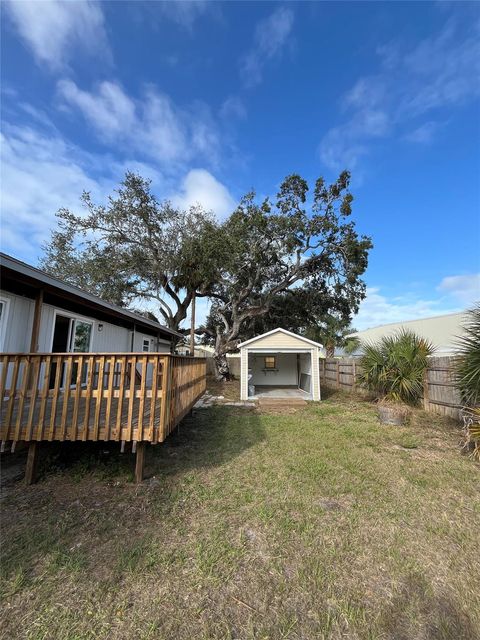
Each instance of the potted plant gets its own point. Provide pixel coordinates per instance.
(394, 369)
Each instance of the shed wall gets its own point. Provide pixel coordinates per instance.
(285, 376)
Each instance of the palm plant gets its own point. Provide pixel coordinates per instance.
(394, 367)
(468, 362)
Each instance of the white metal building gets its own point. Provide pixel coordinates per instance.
(280, 364)
(442, 331)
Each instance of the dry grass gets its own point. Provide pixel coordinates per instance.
(229, 390)
(322, 524)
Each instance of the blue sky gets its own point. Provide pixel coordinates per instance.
(210, 100)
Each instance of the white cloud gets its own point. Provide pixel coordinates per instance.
(410, 84)
(423, 134)
(464, 288)
(110, 110)
(446, 68)
(345, 145)
(56, 30)
(40, 174)
(184, 13)
(200, 187)
(233, 108)
(271, 36)
(456, 294)
(378, 309)
(154, 126)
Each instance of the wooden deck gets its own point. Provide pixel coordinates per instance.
(124, 397)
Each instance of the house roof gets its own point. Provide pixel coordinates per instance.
(41, 279)
(279, 330)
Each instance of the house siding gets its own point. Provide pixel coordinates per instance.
(19, 321)
(112, 338)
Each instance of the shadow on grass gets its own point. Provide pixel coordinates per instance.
(208, 438)
(205, 439)
(53, 513)
(416, 605)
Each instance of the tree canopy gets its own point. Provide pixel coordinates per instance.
(298, 258)
(307, 254)
(135, 247)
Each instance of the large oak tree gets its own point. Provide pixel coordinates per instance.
(136, 247)
(272, 248)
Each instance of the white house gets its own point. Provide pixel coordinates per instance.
(40, 313)
(280, 364)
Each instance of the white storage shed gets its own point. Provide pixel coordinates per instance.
(280, 364)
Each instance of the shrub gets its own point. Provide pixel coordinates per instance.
(394, 367)
(468, 362)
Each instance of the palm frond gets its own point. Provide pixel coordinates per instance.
(467, 370)
(394, 367)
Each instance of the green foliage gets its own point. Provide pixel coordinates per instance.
(331, 331)
(290, 252)
(351, 345)
(394, 367)
(468, 362)
(136, 247)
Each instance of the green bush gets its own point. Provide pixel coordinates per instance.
(394, 367)
(468, 361)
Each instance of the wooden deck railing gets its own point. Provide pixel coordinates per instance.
(137, 397)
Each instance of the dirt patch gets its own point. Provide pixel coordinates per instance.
(230, 390)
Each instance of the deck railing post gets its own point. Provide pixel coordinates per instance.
(72, 396)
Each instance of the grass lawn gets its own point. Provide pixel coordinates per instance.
(317, 524)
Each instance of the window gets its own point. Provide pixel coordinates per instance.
(146, 345)
(270, 362)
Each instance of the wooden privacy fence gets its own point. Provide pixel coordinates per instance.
(339, 373)
(137, 397)
(440, 395)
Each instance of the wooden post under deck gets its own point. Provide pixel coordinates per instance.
(139, 462)
(31, 468)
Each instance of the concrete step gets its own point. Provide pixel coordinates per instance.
(281, 402)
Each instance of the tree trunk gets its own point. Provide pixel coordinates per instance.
(221, 366)
(330, 349)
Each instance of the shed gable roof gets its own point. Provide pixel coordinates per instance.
(280, 332)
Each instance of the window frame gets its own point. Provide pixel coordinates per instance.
(266, 366)
(73, 318)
